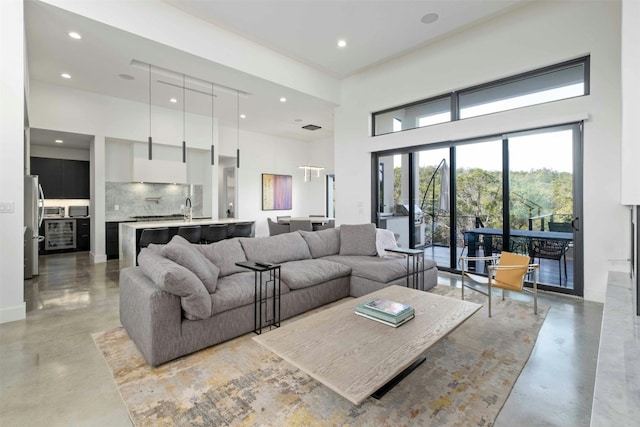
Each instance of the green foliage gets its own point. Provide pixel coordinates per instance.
(534, 193)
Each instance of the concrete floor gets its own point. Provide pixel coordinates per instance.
(52, 374)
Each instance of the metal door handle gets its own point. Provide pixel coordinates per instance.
(575, 221)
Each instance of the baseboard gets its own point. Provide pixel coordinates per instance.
(97, 259)
(11, 314)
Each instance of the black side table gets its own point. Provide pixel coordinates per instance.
(261, 294)
(415, 260)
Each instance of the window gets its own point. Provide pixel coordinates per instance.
(424, 113)
(534, 89)
(560, 81)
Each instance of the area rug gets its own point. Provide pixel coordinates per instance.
(465, 380)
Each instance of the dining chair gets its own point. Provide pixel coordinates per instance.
(280, 218)
(506, 271)
(275, 228)
(326, 226)
(302, 225)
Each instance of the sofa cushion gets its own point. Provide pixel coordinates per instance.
(177, 280)
(224, 254)
(278, 249)
(373, 268)
(184, 253)
(310, 272)
(358, 239)
(323, 242)
(237, 290)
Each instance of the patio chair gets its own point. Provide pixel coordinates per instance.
(550, 249)
(506, 271)
(275, 228)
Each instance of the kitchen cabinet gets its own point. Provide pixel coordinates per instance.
(61, 178)
(112, 240)
(83, 234)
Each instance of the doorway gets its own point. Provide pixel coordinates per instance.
(519, 192)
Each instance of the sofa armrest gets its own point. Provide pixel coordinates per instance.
(151, 316)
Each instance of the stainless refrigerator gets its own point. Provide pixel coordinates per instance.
(33, 213)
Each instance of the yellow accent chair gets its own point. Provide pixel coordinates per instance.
(506, 271)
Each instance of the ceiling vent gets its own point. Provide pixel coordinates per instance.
(311, 127)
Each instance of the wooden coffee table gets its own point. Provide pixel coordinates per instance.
(355, 356)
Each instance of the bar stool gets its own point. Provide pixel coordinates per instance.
(193, 233)
(153, 235)
(215, 233)
(242, 229)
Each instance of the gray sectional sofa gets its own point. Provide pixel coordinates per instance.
(185, 297)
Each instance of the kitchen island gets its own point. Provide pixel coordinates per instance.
(129, 234)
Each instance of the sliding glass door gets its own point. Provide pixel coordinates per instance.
(518, 192)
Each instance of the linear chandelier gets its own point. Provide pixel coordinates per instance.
(308, 169)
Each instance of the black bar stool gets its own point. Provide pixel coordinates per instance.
(153, 235)
(193, 233)
(242, 229)
(215, 233)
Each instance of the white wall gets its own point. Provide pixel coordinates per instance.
(630, 102)
(539, 34)
(260, 153)
(12, 306)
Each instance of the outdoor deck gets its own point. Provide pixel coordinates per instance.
(547, 274)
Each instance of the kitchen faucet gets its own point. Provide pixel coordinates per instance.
(187, 209)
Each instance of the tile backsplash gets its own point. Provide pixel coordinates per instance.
(137, 199)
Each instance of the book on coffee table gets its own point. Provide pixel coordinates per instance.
(393, 325)
(388, 311)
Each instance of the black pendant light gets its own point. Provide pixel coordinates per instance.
(213, 151)
(150, 139)
(184, 102)
(238, 130)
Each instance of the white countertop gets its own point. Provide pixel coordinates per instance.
(180, 223)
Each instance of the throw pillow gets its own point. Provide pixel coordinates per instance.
(358, 239)
(177, 280)
(184, 253)
(385, 239)
(224, 254)
(277, 249)
(322, 243)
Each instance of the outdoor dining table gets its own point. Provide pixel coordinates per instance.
(472, 237)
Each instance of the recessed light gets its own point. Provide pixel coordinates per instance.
(65, 75)
(342, 43)
(242, 116)
(126, 76)
(75, 35)
(283, 99)
(59, 141)
(173, 100)
(430, 18)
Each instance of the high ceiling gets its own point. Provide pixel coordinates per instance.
(305, 30)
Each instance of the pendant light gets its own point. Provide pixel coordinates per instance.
(184, 102)
(150, 139)
(238, 129)
(213, 151)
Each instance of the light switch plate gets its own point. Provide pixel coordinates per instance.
(7, 207)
